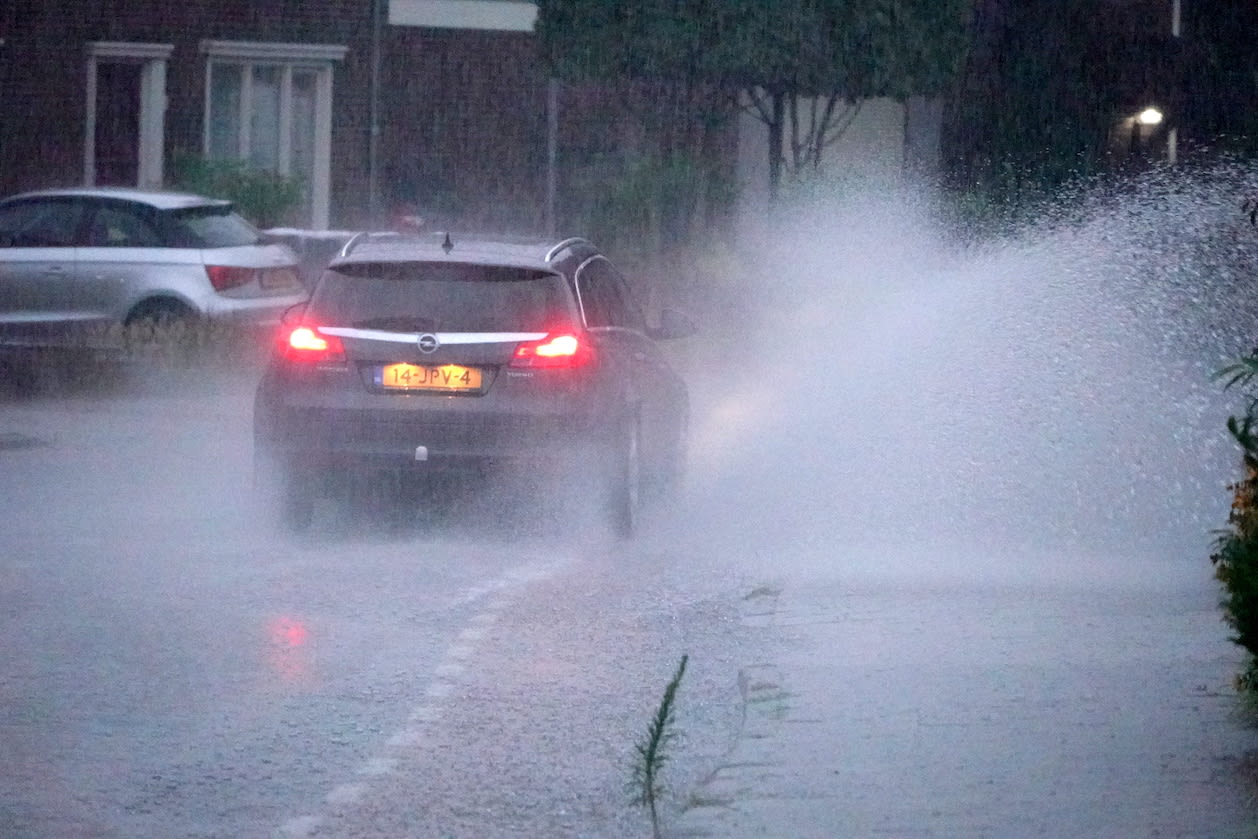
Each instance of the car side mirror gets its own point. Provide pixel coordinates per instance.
(673, 324)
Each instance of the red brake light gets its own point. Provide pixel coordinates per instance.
(307, 343)
(223, 277)
(556, 351)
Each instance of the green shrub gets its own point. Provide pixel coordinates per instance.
(1235, 555)
(651, 203)
(265, 198)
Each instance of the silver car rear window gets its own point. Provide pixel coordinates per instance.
(210, 226)
(441, 296)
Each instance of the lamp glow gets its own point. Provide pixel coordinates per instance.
(1149, 116)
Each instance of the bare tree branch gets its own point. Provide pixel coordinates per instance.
(823, 127)
(760, 104)
(843, 122)
(796, 144)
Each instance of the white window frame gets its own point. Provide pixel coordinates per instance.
(151, 152)
(319, 58)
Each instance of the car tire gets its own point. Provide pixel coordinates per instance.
(296, 506)
(671, 478)
(285, 493)
(159, 325)
(625, 480)
(19, 370)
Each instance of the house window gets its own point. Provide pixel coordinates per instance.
(270, 106)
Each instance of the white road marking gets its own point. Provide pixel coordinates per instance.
(450, 670)
(300, 826)
(473, 594)
(425, 713)
(405, 738)
(460, 652)
(378, 766)
(439, 688)
(346, 794)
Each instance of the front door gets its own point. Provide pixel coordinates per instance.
(126, 113)
(117, 146)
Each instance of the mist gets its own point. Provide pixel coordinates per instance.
(944, 450)
(907, 398)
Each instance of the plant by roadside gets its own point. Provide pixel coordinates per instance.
(267, 199)
(192, 343)
(1235, 555)
(651, 752)
(120, 357)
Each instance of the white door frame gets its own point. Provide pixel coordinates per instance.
(152, 150)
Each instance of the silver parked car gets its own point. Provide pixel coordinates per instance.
(75, 262)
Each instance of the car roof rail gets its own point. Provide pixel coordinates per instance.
(365, 237)
(566, 244)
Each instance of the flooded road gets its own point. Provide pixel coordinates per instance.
(175, 668)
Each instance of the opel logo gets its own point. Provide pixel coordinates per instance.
(428, 343)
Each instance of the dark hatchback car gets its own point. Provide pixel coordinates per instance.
(418, 355)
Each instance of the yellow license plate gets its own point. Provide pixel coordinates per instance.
(429, 377)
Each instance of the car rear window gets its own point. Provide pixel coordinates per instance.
(210, 226)
(441, 296)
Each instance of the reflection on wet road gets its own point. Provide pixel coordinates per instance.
(174, 667)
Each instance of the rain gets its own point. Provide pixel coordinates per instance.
(940, 563)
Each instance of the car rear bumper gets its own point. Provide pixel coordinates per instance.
(251, 311)
(332, 439)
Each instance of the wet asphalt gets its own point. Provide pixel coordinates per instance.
(175, 667)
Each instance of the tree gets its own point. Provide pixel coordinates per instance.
(1221, 78)
(800, 66)
(1047, 83)
(652, 54)
(806, 66)
(1235, 555)
(1030, 114)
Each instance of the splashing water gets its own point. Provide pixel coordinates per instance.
(1044, 392)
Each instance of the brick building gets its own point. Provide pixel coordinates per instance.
(468, 127)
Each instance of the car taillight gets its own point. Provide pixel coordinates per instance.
(223, 277)
(308, 344)
(562, 350)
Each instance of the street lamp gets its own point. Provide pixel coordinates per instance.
(1142, 123)
(1172, 136)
